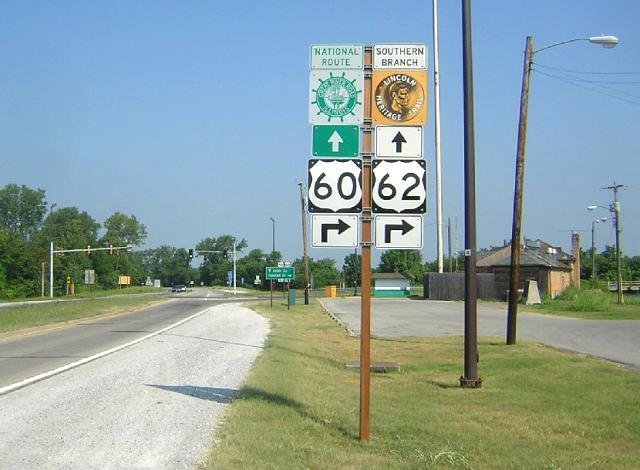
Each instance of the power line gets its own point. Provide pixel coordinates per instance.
(599, 84)
(597, 81)
(574, 82)
(584, 71)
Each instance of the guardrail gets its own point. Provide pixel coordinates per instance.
(626, 285)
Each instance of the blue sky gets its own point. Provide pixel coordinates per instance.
(193, 115)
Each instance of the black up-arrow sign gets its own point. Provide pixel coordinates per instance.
(341, 226)
(405, 226)
(399, 140)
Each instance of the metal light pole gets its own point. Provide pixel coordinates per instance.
(273, 234)
(51, 270)
(235, 290)
(514, 278)
(436, 121)
(593, 245)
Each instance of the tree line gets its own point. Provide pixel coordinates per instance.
(28, 224)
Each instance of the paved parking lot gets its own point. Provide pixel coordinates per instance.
(615, 340)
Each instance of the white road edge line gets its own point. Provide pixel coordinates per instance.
(45, 375)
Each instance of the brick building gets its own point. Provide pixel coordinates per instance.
(553, 269)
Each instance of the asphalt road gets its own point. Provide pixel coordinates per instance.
(615, 340)
(22, 357)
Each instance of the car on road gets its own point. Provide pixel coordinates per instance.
(179, 288)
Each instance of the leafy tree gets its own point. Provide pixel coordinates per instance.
(402, 261)
(22, 209)
(324, 272)
(19, 266)
(124, 230)
(351, 269)
(214, 267)
(251, 266)
(69, 228)
(120, 230)
(167, 263)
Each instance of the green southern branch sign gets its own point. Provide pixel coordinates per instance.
(273, 273)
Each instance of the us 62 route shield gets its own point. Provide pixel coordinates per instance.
(335, 186)
(399, 186)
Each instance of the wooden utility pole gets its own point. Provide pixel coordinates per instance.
(304, 246)
(514, 277)
(470, 378)
(615, 209)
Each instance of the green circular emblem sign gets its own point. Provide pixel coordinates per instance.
(336, 97)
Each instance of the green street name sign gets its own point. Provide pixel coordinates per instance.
(273, 273)
(336, 141)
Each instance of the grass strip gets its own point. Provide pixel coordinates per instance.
(34, 315)
(538, 408)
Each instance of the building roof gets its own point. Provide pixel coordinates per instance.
(533, 253)
(392, 276)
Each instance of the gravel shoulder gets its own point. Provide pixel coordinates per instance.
(152, 405)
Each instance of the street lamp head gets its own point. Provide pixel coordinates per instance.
(604, 41)
(591, 208)
(603, 219)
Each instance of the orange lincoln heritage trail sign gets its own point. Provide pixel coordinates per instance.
(399, 97)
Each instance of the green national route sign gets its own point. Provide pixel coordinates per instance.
(336, 141)
(273, 273)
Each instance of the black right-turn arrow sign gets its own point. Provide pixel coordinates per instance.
(341, 226)
(405, 227)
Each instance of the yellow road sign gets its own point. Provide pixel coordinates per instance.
(399, 97)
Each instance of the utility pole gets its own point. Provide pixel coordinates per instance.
(355, 272)
(514, 278)
(470, 378)
(615, 208)
(305, 260)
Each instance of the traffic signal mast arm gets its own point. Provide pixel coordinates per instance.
(89, 249)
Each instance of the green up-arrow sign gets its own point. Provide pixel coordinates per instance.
(336, 141)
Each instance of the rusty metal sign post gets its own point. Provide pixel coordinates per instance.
(365, 310)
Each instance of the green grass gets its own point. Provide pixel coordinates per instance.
(28, 316)
(538, 408)
(592, 304)
(84, 292)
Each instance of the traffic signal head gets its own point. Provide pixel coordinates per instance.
(190, 253)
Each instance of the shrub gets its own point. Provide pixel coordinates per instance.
(587, 300)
